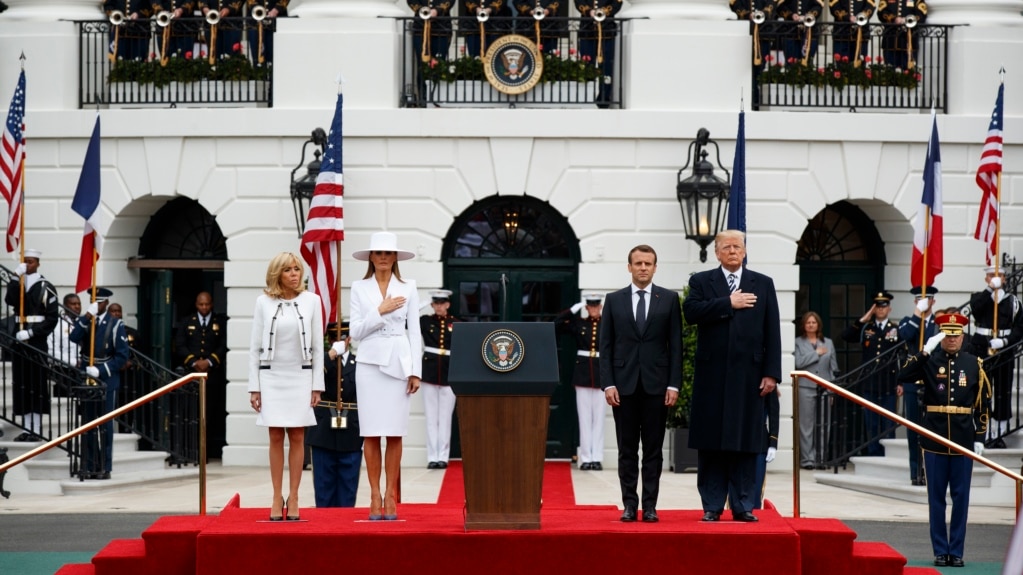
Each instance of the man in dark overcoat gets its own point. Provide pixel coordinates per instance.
(738, 363)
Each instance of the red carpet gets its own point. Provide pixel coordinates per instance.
(557, 485)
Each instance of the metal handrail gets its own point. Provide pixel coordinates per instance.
(201, 377)
(838, 390)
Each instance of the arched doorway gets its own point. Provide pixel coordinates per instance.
(181, 253)
(516, 258)
(841, 259)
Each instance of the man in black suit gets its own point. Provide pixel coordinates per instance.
(738, 363)
(640, 372)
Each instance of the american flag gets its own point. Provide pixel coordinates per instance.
(325, 225)
(12, 155)
(987, 178)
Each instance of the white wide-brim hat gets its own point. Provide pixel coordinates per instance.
(383, 242)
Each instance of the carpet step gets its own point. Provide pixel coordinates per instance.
(920, 571)
(119, 480)
(820, 542)
(171, 543)
(77, 569)
(876, 559)
(121, 556)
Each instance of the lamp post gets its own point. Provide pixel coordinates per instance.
(302, 187)
(703, 196)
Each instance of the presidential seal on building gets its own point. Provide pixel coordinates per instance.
(513, 64)
(503, 350)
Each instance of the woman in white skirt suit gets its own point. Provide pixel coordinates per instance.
(286, 371)
(390, 362)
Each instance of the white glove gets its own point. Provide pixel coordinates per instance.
(922, 305)
(94, 309)
(23, 335)
(577, 307)
(978, 448)
(998, 343)
(771, 452)
(92, 371)
(933, 341)
(21, 269)
(996, 282)
(338, 347)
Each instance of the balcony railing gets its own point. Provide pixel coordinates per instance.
(887, 75)
(157, 66)
(449, 72)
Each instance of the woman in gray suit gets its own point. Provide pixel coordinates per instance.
(816, 354)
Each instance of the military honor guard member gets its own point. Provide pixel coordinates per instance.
(850, 31)
(432, 17)
(335, 443)
(438, 399)
(986, 342)
(222, 37)
(61, 348)
(589, 396)
(130, 27)
(800, 44)
(181, 37)
(876, 335)
(482, 22)
(899, 43)
(34, 301)
(909, 331)
(543, 21)
(109, 342)
(200, 346)
(597, 32)
(957, 397)
(261, 35)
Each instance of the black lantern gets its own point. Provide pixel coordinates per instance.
(302, 187)
(703, 196)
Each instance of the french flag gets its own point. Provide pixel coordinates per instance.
(928, 230)
(86, 204)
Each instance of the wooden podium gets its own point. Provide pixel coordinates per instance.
(502, 417)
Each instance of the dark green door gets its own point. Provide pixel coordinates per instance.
(156, 319)
(839, 295)
(508, 294)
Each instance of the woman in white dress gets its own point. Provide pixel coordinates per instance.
(816, 354)
(390, 362)
(286, 371)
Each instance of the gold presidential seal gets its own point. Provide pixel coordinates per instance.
(513, 65)
(503, 350)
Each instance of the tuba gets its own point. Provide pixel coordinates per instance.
(117, 21)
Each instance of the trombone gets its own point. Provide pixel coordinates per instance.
(163, 20)
(213, 19)
(259, 14)
(117, 21)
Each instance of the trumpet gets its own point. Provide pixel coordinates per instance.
(425, 12)
(862, 19)
(809, 20)
(759, 17)
(117, 17)
(911, 21)
(539, 13)
(258, 13)
(213, 17)
(482, 15)
(599, 15)
(163, 19)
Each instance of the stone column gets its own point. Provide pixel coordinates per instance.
(975, 12)
(677, 9)
(346, 8)
(52, 10)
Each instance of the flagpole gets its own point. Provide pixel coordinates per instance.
(923, 269)
(21, 237)
(92, 323)
(997, 255)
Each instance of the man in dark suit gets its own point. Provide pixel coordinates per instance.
(738, 363)
(200, 346)
(640, 372)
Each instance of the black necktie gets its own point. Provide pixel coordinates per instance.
(641, 310)
(731, 283)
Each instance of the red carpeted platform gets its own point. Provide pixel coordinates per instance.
(431, 540)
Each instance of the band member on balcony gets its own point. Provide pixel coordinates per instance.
(434, 16)
(183, 36)
(850, 32)
(801, 17)
(544, 22)
(104, 350)
(909, 331)
(130, 39)
(482, 22)
(876, 335)
(34, 299)
(222, 38)
(597, 33)
(589, 397)
(900, 41)
(261, 35)
(438, 399)
(986, 342)
(957, 397)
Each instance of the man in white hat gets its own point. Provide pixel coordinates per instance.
(988, 339)
(438, 399)
(35, 302)
(589, 396)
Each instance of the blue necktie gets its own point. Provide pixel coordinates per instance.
(641, 311)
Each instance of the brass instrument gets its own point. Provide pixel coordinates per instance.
(911, 21)
(482, 15)
(259, 14)
(862, 19)
(599, 15)
(213, 18)
(425, 13)
(539, 13)
(808, 22)
(116, 20)
(163, 20)
(757, 17)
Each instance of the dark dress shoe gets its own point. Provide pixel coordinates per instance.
(596, 466)
(25, 436)
(746, 517)
(629, 515)
(433, 465)
(996, 444)
(954, 561)
(941, 560)
(711, 516)
(650, 516)
(584, 466)
(442, 465)
(807, 466)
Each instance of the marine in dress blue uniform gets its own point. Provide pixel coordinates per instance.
(589, 396)
(110, 343)
(336, 451)
(438, 399)
(877, 336)
(909, 331)
(957, 396)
